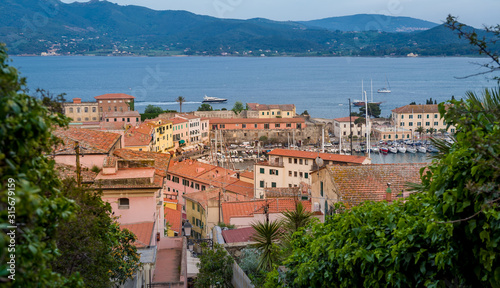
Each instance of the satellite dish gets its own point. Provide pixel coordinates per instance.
(319, 161)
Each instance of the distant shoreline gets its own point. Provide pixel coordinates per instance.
(251, 56)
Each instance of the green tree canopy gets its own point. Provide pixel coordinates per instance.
(215, 268)
(205, 107)
(373, 110)
(238, 107)
(181, 101)
(153, 109)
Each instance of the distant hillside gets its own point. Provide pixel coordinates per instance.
(370, 22)
(32, 27)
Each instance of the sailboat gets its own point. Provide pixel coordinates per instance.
(385, 89)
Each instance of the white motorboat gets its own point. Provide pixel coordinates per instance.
(401, 149)
(393, 150)
(422, 149)
(411, 150)
(208, 99)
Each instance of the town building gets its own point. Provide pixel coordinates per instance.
(391, 133)
(94, 146)
(290, 168)
(414, 116)
(125, 118)
(194, 123)
(243, 214)
(163, 140)
(180, 132)
(81, 112)
(114, 102)
(342, 127)
(140, 137)
(256, 110)
(354, 184)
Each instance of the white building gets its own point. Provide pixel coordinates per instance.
(341, 127)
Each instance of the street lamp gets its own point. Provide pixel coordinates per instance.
(187, 228)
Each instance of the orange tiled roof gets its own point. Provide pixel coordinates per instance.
(238, 235)
(187, 116)
(249, 208)
(324, 156)
(346, 119)
(133, 138)
(174, 218)
(202, 197)
(431, 108)
(247, 174)
(242, 188)
(143, 231)
(91, 141)
(121, 114)
(218, 177)
(114, 96)
(161, 159)
(255, 120)
(177, 120)
(130, 178)
(356, 184)
(68, 171)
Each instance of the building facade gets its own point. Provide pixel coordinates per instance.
(80, 112)
(115, 102)
(342, 127)
(414, 116)
(271, 111)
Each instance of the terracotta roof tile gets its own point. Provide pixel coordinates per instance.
(249, 208)
(247, 174)
(160, 159)
(356, 184)
(260, 107)
(242, 188)
(114, 96)
(133, 138)
(121, 114)
(238, 235)
(313, 155)
(91, 141)
(431, 108)
(143, 231)
(67, 171)
(174, 218)
(177, 120)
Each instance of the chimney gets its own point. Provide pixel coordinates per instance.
(77, 100)
(110, 165)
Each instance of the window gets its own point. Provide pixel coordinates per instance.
(294, 173)
(266, 126)
(290, 160)
(300, 174)
(115, 119)
(427, 116)
(295, 161)
(116, 109)
(427, 123)
(128, 119)
(290, 173)
(436, 123)
(402, 116)
(192, 203)
(321, 188)
(262, 113)
(94, 118)
(243, 125)
(402, 123)
(262, 184)
(78, 110)
(255, 125)
(435, 116)
(305, 161)
(137, 119)
(267, 113)
(86, 118)
(411, 116)
(288, 125)
(306, 175)
(262, 171)
(70, 110)
(198, 207)
(197, 186)
(273, 113)
(123, 203)
(300, 161)
(419, 124)
(273, 172)
(86, 109)
(203, 187)
(273, 184)
(410, 124)
(419, 116)
(123, 119)
(277, 125)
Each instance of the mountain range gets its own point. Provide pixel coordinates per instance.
(104, 28)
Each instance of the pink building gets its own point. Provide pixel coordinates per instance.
(94, 145)
(180, 131)
(257, 123)
(125, 118)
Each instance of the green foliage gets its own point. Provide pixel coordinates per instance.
(267, 235)
(420, 130)
(263, 139)
(215, 268)
(205, 107)
(238, 107)
(305, 113)
(25, 139)
(373, 110)
(250, 265)
(224, 225)
(295, 219)
(153, 109)
(95, 169)
(54, 103)
(92, 244)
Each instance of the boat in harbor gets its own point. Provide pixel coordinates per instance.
(393, 150)
(208, 99)
(401, 149)
(422, 149)
(385, 89)
(411, 150)
(359, 103)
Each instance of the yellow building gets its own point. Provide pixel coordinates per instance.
(81, 112)
(412, 117)
(163, 140)
(273, 110)
(196, 214)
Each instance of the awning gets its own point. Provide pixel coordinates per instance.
(182, 141)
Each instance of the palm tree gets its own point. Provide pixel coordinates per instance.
(266, 235)
(293, 220)
(180, 100)
(420, 130)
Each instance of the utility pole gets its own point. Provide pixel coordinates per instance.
(219, 207)
(350, 124)
(78, 169)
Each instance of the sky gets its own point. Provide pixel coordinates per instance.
(471, 12)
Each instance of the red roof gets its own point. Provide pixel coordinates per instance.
(346, 119)
(114, 96)
(238, 235)
(174, 218)
(249, 208)
(133, 138)
(143, 231)
(356, 184)
(314, 155)
(177, 120)
(247, 174)
(160, 159)
(91, 141)
(68, 171)
(431, 108)
(260, 107)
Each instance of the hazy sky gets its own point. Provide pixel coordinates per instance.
(471, 12)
